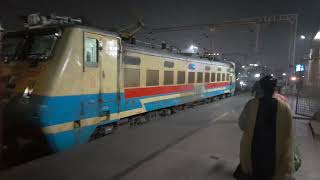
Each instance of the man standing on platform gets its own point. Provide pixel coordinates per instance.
(266, 150)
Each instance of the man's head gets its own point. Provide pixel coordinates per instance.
(268, 85)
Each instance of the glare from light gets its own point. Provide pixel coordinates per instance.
(302, 37)
(317, 37)
(293, 78)
(257, 75)
(27, 92)
(112, 48)
(284, 74)
(193, 47)
(242, 84)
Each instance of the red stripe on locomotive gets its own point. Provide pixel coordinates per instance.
(149, 91)
(216, 85)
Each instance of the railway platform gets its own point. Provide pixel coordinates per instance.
(196, 143)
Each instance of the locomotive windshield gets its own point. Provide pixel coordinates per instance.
(41, 46)
(29, 44)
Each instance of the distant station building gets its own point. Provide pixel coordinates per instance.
(313, 70)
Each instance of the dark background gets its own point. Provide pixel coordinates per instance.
(116, 14)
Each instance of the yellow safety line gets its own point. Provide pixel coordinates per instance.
(96, 120)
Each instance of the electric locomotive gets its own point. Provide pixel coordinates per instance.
(69, 81)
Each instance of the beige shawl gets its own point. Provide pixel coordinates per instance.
(284, 139)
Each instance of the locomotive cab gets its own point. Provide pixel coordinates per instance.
(63, 84)
(27, 55)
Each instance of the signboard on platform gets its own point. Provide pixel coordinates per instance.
(299, 67)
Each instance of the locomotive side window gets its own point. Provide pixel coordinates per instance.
(218, 77)
(207, 77)
(213, 77)
(199, 77)
(131, 60)
(131, 77)
(168, 77)
(91, 51)
(181, 77)
(152, 78)
(223, 76)
(191, 77)
(228, 77)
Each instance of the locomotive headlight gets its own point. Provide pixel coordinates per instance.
(27, 92)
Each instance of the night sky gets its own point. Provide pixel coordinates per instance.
(116, 14)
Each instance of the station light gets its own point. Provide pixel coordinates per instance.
(242, 83)
(243, 67)
(255, 65)
(302, 37)
(217, 54)
(293, 78)
(271, 75)
(317, 37)
(257, 75)
(284, 74)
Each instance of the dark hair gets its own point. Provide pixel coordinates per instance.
(268, 84)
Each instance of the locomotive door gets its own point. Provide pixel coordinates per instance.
(91, 88)
(102, 63)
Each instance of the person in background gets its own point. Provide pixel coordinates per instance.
(4, 76)
(266, 150)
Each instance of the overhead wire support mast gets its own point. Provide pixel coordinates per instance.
(291, 18)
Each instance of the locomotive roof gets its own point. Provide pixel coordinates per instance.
(55, 26)
(133, 48)
(154, 52)
(166, 54)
